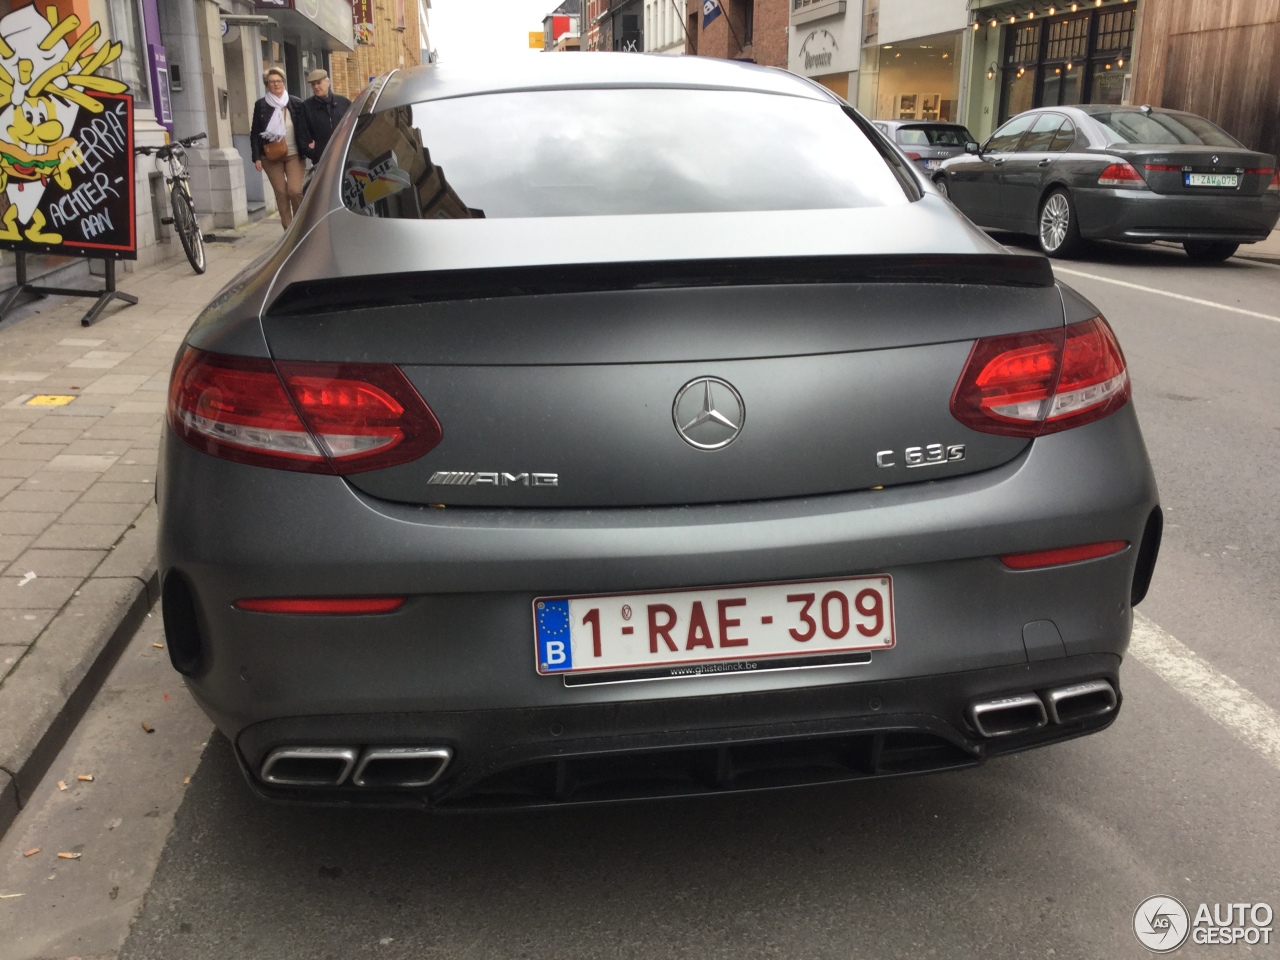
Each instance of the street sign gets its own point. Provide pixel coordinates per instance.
(536, 40)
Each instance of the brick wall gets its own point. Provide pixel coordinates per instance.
(726, 37)
(391, 48)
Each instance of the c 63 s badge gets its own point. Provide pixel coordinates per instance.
(930, 455)
(489, 478)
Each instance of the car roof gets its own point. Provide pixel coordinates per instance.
(438, 81)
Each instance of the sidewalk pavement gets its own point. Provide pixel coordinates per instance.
(77, 509)
(1268, 249)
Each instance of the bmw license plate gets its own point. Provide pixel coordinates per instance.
(710, 630)
(1211, 179)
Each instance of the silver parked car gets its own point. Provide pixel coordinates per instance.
(926, 142)
(637, 426)
(1136, 174)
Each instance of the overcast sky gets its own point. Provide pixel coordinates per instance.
(477, 31)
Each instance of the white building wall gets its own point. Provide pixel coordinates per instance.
(839, 36)
(663, 27)
(908, 19)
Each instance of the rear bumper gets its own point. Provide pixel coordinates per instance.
(1144, 215)
(592, 753)
(456, 663)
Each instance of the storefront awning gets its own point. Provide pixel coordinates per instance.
(319, 24)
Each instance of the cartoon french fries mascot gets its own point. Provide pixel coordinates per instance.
(42, 82)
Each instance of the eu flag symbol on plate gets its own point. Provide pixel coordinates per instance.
(554, 649)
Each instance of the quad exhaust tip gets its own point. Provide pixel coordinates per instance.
(1026, 711)
(374, 768)
(1007, 715)
(1080, 701)
(309, 766)
(401, 766)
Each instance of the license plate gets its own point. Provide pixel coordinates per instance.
(705, 630)
(1211, 179)
(932, 164)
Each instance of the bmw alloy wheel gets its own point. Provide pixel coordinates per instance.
(1055, 220)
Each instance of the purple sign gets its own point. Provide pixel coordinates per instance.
(160, 84)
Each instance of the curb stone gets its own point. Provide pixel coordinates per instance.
(60, 678)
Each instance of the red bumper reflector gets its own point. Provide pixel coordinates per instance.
(322, 605)
(1052, 558)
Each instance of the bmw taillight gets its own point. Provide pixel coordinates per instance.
(1121, 175)
(1032, 384)
(312, 417)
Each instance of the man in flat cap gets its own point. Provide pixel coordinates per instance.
(323, 110)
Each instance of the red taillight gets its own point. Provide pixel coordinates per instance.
(1052, 558)
(1032, 384)
(1274, 187)
(322, 605)
(335, 417)
(1121, 175)
(1160, 167)
(912, 156)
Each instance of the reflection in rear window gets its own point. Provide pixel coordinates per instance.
(566, 153)
(1135, 127)
(934, 136)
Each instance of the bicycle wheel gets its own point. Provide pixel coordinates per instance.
(184, 221)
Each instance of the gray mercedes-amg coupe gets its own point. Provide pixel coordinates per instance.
(628, 426)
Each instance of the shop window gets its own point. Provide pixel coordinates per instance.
(1061, 85)
(1019, 91)
(122, 21)
(1068, 39)
(1115, 31)
(1024, 45)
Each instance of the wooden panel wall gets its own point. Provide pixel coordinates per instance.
(1217, 58)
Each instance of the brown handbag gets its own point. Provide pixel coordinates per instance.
(274, 149)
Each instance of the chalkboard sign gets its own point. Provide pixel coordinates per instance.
(76, 198)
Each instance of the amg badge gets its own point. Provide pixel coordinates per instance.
(472, 478)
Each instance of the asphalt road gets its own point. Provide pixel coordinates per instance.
(1046, 854)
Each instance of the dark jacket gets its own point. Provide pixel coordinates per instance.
(262, 116)
(323, 114)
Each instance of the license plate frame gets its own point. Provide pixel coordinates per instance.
(655, 634)
(1227, 181)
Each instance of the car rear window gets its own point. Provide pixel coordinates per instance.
(1131, 126)
(933, 136)
(587, 152)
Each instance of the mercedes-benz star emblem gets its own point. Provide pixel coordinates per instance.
(708, 413)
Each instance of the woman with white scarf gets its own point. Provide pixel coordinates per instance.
(279, 125)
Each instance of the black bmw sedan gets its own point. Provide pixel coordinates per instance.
(625, 426)
(1135, 174)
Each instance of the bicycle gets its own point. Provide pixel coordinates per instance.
(184, 218)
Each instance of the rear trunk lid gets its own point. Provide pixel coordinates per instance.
(1201, 170)
(681, 382)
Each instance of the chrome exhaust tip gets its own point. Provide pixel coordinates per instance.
(401, 767)
(1007, 715)
(308, 766)
(1081, 701)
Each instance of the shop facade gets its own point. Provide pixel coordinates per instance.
(825, 43)
(908, 74)
(1048, 54)
(64, 24)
